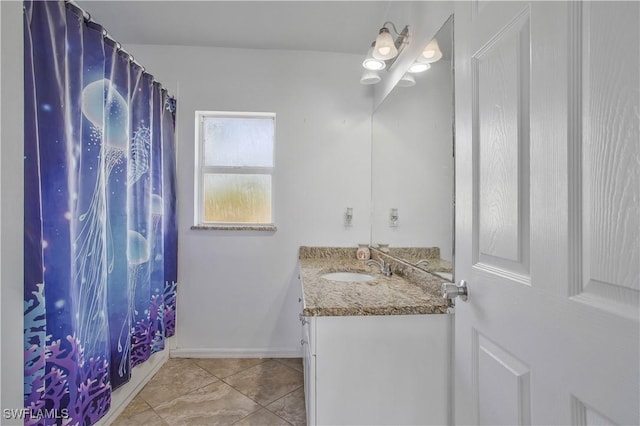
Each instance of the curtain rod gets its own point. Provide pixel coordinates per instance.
(105, 34)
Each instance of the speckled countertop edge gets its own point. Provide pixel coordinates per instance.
(408, 291)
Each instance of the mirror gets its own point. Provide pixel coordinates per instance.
(413, 165)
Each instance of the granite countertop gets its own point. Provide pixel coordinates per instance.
(402, 293)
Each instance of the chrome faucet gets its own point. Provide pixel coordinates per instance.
(424, 262)
(385, 268)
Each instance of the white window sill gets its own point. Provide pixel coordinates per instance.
(261, 228)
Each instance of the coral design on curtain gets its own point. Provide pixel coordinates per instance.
(100, 216)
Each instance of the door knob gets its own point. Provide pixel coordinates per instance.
(451, 291)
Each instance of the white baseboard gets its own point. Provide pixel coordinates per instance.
(236, 353)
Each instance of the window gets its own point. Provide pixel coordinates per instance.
(234, 168)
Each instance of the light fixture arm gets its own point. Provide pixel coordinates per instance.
(395, 30)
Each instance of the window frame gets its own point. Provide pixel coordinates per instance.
(201, 169)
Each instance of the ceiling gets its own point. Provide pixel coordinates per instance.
(329, 26)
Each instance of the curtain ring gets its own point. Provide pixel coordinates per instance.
(118, 45)
(88, 17)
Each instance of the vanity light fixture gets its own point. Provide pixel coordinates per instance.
(370, 77)
(383, 52)
(431, 53)
(385, 48)
(372, 64)
(407, 80)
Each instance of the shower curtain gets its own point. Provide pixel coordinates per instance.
(100, 268)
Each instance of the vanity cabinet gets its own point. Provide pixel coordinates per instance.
(377, 369)
(309, 367)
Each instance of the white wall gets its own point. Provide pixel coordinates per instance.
(11, 226)
(236, 295)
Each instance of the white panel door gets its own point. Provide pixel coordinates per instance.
(548, 213)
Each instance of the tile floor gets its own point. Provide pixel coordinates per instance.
(221, 392)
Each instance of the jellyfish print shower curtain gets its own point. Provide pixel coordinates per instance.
(100, 216)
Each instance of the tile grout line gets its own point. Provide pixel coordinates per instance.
(236, 372)
(182, 394)
(261, 408)
(193, 363)
(278, 399)
(271, 402)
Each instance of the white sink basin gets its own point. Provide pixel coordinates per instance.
(347, 277)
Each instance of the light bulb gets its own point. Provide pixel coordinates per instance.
(385, 48)
(372, 63)
(432, 52)
(419, 67)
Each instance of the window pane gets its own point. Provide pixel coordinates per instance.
(237, 198)
(238, 141)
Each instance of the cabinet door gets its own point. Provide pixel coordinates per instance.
(382, 370)
(309, 359)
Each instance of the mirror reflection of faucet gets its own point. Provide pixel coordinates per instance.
(385, 268)
(424, 262)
